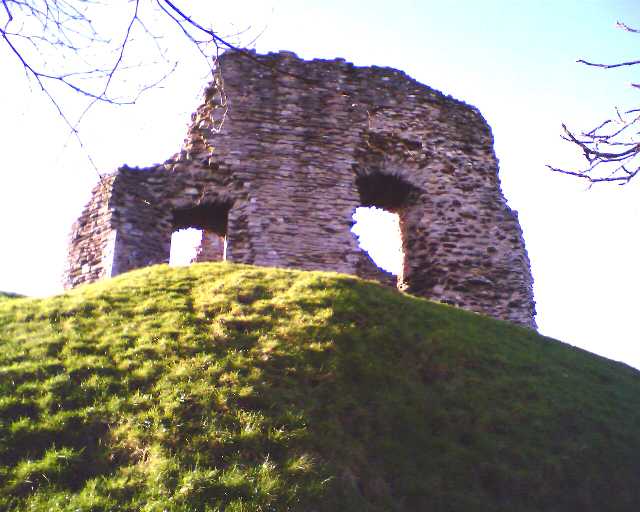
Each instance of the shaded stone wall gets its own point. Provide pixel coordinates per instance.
(211, 248)
(293, 160)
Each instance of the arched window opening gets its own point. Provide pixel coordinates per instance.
(200, 234)
(378, 233)
(383, 197)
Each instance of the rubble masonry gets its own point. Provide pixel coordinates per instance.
(278, 157)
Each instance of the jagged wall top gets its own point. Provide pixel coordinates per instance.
(280, 154)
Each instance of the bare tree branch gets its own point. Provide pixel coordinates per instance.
(184, 20)
(626, 27)
(622, 180)
(60, 48)
(609, 66)
(612, 148)
(64, 48)
(9, 16)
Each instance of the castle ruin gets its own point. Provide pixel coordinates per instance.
(281, 153)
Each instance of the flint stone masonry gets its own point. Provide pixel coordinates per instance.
(274, 173)
(211, 248)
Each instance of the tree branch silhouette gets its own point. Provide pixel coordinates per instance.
(612, 148)
(80, 47)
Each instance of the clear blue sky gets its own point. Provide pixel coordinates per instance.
(514, 60)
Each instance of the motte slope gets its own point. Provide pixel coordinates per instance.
(232, 388)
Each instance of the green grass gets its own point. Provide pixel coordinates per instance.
(9, 295)
(232, 388)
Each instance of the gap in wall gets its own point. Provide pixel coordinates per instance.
(378, 233)
(184, 246)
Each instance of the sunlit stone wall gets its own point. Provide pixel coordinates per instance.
(302, 145)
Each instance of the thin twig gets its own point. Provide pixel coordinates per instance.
(609, 66)
(226, 44)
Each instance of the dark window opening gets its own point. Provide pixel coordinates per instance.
(384, 191)
(210, 217)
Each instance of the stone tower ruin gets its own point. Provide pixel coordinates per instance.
(281, 153)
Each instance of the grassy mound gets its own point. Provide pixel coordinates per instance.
(9, 295)
(232, 388)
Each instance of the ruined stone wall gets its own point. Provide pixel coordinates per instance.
(92, 239)
(303, 144)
